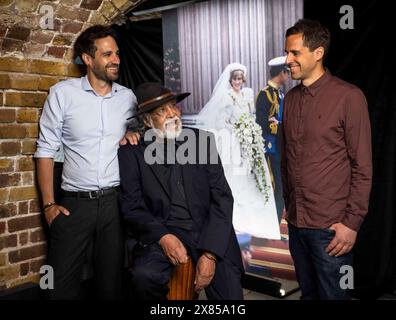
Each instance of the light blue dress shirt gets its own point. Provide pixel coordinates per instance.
(89, 127)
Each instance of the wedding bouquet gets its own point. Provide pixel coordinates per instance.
(250, 137)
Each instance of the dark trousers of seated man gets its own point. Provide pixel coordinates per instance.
(151, 271)
(96, 220)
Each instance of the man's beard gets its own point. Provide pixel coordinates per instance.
(103, 74)
(171, 128)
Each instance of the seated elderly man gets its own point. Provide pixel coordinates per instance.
(175, 209)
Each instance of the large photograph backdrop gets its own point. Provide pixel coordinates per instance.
(214, 33)
(199, 41)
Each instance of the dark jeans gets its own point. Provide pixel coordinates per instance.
(90, 221)
(317, 272)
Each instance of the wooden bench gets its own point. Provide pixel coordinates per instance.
(181, 285)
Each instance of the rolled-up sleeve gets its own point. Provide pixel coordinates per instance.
(51, 120)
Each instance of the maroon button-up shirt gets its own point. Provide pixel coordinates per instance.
(326, 154)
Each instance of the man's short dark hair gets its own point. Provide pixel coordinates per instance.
(85, 42)
(314, 34)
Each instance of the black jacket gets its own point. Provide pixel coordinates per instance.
(145, 200)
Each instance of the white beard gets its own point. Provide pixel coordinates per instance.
(165, 132)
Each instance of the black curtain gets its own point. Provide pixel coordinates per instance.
(141, 52)
(365, 58)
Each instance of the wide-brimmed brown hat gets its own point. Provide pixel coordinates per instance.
(151, 95)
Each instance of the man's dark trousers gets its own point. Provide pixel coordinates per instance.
(96, 220)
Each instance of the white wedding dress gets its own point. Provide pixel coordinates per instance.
(252, 214)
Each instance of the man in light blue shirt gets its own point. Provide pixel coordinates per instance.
(87, 117)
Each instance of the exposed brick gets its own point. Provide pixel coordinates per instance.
(5, 81)
(57, 25)
(26, 253)
(8, 241)
(62, 40)
(24, 268)
(27, 115)
(25, 99)
(42, 36)
(29, 20)
(23, 238)
(13, 64)
(23, 207)
(3, 31)
(3, 259)
(24, 223)
(35, 265)
(9, 179)
(25, 164)
(6, 165)
(69, 55)
(24, 81)
(56, 52)
(37, 236)
(27, 179)
(8, 210)
(79, 14)
(97, 18)
(122, 4)
(34, 206)
(32, 130)
(9, 272)
(12, 131)
(10, 148)
(91, 4)
(22, 193)
(7, 115)
(47, 67)
(18, 33)
(28, 146)
(4, 194)
(34, 50)
(71, 2)
(30, 278)
(107, 9)
(4, 3)
(11, 45)
(26, 5)
(47, 82)
(19, 81)
(73, 70)
(72, 27)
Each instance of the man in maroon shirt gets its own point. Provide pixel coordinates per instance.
(326, 164)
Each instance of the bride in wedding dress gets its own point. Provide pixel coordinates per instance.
(254, 212)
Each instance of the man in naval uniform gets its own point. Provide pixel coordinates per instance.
(269, 116)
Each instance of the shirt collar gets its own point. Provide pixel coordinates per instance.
(315, 87)
(86, 86)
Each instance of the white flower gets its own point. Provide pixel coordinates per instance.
(252, 149)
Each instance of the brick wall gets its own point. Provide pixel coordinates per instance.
(32, 59)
